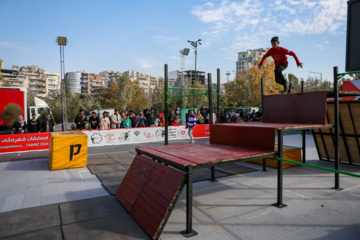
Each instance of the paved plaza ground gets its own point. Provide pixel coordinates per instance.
(36, 203)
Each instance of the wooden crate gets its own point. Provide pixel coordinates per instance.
(291, 153)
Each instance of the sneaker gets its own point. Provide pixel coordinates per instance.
(291, 87)
(286, 87)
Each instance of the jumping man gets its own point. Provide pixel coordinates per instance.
(281, 63)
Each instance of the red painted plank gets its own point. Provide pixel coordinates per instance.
(240, 136)
(290, 108)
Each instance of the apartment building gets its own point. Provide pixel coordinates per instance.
(144, 82)
(33, 78)
(73, 82)
(247, 59)
(133, 75)
(110, 76)
(96, 83)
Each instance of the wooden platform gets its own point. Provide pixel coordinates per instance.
(200, 155)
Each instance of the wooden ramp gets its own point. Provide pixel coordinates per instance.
(149, 192)
(349, 133)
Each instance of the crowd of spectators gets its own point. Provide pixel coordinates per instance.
(125, 119)
(34, 125)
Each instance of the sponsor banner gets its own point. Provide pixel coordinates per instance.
(40, 141)
(201, 130)
(134, 135)
(24, 142)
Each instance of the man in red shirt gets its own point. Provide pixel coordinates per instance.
(281, 63)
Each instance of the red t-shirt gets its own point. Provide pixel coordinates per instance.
(175, 124)
(279, 56)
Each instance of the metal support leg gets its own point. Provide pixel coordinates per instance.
(304, 146)
(279, 203)
(213, 178)
(189, 232)
(264, 164)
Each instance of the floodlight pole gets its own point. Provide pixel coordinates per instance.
(62, 41)
(195, 45)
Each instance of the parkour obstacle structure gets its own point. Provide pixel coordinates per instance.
(158, 174)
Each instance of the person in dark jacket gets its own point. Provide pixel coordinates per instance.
(47, 125)
(171, 117)
(19, 126)
(34, 125)
(80, 120)
(151, 118)
(94, 122)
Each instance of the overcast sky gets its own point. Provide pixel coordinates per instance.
(143, 35)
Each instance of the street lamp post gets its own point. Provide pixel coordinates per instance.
(317, 73)
(195, 45)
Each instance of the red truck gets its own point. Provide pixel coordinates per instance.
(18, 96)
(12, 95)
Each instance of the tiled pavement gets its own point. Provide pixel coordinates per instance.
(235, 207)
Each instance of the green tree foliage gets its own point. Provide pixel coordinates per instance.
(5, 83)
(197, 101)
(10, 114)
(315, 84)
(158, 96)
(124, 94)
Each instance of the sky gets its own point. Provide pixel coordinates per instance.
(144, 35)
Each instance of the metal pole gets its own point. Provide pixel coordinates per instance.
(262, 93)
(210, 100)
(166, 104)
(279, 202)
(303, 132)
(336, 126)
(195, 61)
(218, 95)
(264, 164)
(302, 86)
(189, 232)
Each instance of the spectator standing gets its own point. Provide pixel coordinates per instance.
(80, 120)
(127, 122)
(171, 117)
(47, 125)
(174, 122)
(146, 114)
(151, 118)
(19, 126)
(191, 124)
(223, 118)
(104, 122)
(141, 121)
(115, 119)
(162, 122)
(94, 122)
(34, 125)
(132, 117)
(214, 117)
(232, 113)
(227, 114)
(203, 112)
(199, 118)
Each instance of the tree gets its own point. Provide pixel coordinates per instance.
(295, 82)
(11, 113)
(5, 83)
(197, 101)
(140, 99)
(158, 96)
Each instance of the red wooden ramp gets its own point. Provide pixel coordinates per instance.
(149, 192)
